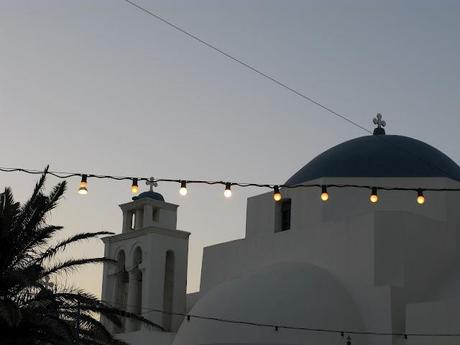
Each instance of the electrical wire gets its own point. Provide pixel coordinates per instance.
(412, 155)
(246, 65)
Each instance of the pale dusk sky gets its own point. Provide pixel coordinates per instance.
(100, 87)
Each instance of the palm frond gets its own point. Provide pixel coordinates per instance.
(29, 250)
(106, 310)
(50, 252)
(73, 264)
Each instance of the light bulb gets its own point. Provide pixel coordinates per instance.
(134, 186)
(183, 188)
(374, 197)
(420, 197)
(324, 194)
(83, 185)
(276, 193)
(228, 191)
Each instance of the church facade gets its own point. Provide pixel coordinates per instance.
(345, 264)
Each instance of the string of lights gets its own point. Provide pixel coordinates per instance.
(277, 327)
(276, 188)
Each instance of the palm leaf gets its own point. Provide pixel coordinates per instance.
(73, 264)
(50, 252)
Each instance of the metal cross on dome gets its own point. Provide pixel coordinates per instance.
(151, 183)
(380, 124)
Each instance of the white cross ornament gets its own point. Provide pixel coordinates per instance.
(151, 183)
(378, 121)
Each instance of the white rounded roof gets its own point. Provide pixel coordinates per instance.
(292, 294)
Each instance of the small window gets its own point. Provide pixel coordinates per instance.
(283, 215)
(156, 215)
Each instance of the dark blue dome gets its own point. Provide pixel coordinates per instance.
(379, 156)
(149, 194)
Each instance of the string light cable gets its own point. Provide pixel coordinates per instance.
(277, 327)
(276, 188)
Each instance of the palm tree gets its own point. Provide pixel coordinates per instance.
(33, 311)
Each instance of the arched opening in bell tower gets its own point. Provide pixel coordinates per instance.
(168, 291)
(121, 287)
(137, 275)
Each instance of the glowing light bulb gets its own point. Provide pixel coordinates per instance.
(276, 193)
(420, 197)
(374, 197)
(183, 188)
(228, 191)
(134, 186)
(324, 194)
(83, 185)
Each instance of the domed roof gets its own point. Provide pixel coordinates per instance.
(379, 156)
(149, 194)
(289, 293)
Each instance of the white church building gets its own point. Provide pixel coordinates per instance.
(342, 265)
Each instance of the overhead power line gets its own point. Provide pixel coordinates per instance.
(412, 155)
(246, 65)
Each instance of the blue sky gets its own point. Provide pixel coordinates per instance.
(98, 86)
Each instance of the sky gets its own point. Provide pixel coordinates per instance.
(100, 87)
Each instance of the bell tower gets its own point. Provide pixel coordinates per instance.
(151, 269)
